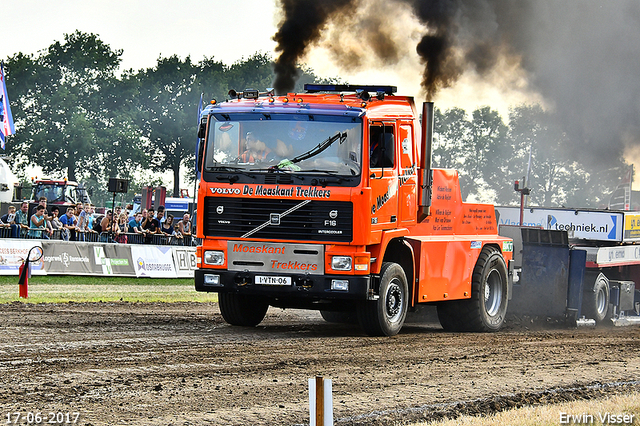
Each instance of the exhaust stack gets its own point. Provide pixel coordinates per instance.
(425, 179)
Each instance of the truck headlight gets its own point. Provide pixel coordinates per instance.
(214, 257)
(341, 263)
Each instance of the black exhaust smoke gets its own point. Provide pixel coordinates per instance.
(301, 25)
(569, 54)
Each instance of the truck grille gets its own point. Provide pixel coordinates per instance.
(276, 219)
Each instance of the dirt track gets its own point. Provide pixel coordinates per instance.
(180, 364)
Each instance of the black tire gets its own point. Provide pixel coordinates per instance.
(595, 298)
(385, 316)
(339, 317)
(245, 311)
(486, 310)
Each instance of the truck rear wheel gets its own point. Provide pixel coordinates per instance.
(595, 304)
(385, 316)
(485, 311)
(246, 311)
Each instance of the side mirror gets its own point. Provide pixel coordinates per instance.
(202, 129)
(200, 157)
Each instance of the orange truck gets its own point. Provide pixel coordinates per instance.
(327, 200)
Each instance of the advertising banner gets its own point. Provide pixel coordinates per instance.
(631, 227)
(185, 261)
(114, 259)
(68, 258)
(14, 252)
(153, 261)
(580, 224)
(99, 259)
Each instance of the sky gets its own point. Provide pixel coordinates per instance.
(144, 29)
(227, 31)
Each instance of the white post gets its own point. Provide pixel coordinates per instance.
(320, 406)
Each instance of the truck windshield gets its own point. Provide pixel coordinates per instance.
(55, 193)
(284, 143)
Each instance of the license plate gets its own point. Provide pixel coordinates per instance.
(264, 280)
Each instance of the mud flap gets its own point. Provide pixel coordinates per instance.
(551, 280)
(577, 267)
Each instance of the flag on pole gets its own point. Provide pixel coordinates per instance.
(6, 118)
(198, 140)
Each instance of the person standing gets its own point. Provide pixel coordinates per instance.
(69, 223)
(91, 219)
(22, 219)
(135, 224)
(38, 224)
(82, 223)
(184, 228)
(151, 226)
(9, 221)
(160, 215)
(42, 201)
(107, 227)
(56, 225)
(121, 229)
(167, 229)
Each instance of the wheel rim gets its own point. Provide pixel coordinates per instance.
(601, 301)
(493, 293)
(393, 301)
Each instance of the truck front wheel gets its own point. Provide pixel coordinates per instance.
(485, 311)
(385, 316)
(246, 311)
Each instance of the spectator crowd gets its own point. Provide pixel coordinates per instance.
(81, 223)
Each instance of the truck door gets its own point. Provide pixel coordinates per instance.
(383, 178)
(408, 178)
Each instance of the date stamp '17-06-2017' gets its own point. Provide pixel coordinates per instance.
(42, 418)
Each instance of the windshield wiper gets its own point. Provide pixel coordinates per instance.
(328, 172)
(314, 151)
(220, 168)
(230, 178)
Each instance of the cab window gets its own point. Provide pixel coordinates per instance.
(382, 152)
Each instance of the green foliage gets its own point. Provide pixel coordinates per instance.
(66, 109)
(491, 155)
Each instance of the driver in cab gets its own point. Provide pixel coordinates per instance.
(257, 150)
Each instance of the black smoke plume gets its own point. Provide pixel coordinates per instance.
(301, 25)
(582, 57)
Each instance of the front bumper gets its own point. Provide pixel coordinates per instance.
(304, 286)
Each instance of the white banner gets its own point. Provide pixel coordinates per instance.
(185, 261)
(153, 261)
(14, 252)
(579, 224)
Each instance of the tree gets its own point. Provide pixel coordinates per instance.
(67, 110)
(168, 100)
(451, 132)
(483, 168)
(553, 173)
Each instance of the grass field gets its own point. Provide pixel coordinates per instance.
(61, 289)
(551, 415)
